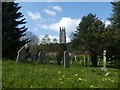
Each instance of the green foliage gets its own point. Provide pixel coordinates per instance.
(92, 35)
(63, 46)
(88, 32)
(115, 18)
(34, 52)
(52, 58)
(60, 53)
(11, 32)
(88, 35)
(113, 32)
(36, 75)
(49, 47)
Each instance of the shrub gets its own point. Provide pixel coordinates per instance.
(62, 48)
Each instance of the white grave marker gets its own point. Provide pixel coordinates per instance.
(104, 61)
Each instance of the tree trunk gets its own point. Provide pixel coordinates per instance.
(94, 59)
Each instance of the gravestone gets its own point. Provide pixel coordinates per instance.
(41, 56)
(22, 54)
(104, 61)
(75, 58)
(71, 59)
(66, 59)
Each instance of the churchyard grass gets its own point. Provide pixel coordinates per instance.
(36, 75)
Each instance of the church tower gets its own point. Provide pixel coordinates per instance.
(62, 36)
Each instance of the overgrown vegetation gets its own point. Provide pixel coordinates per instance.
(36, 75)
(91, 35)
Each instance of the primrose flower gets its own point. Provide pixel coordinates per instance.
(61, 82)
(76, 75)
(91, 85)
(108, 73)
(79, 78)
(59, 72)
(60, 78)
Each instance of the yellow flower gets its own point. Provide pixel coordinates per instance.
(61, 82)
(108, 73)
(76, 75)
(80, 79)
(91, 85)
(60, 78)
(59, 72)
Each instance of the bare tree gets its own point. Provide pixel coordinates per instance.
(55, 40)
(45, 40)
(33, 38)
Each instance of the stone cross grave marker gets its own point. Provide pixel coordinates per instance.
(75, 58)
(104, 61)
(66, 59)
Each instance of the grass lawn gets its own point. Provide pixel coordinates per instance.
(36, 75)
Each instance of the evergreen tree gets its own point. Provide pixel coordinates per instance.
(88, 36)
(115, 18)
(11, 32)
(113, 45)
(115, 24)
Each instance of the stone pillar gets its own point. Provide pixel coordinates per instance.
(104, 61)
